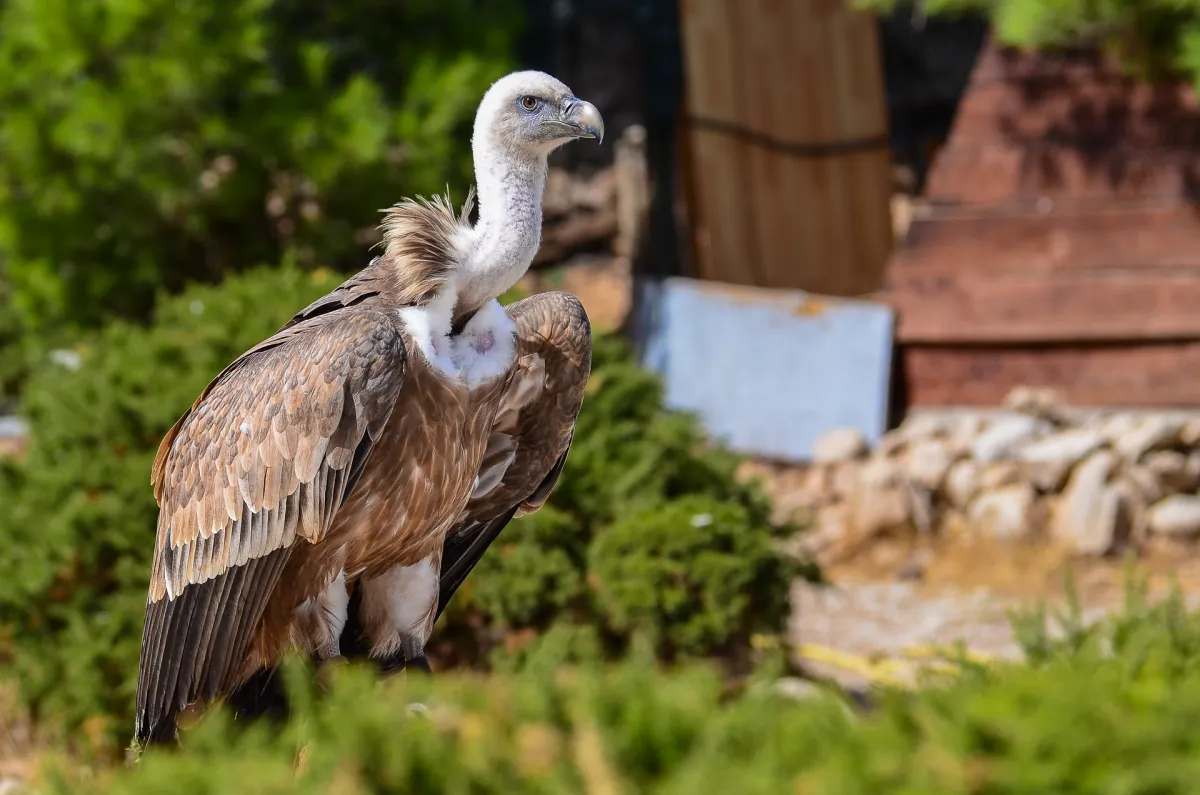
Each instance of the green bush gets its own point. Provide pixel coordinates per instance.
(605, 552)
(1154, 39)
(148, 143)
(1107, 710)
(698, 572)
(79, 513)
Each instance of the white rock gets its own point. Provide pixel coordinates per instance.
(1171, 469)
(1041, 402)
(1190, 435)
(925, 425)
(1081, 521)
(1073, 444)
(891, 443)
(966, 428)
(999, 473)
(920, 507)
(1133, 512)
(1048, 461)
(878, 473)
(880, 502)
(839, 444)
(1153, 432)
(1177, 515)
(927, 462)
(1006, 513)
(877, 512)
(1005, 434)
(1146, 483)
(961, 482)
(1114, 426)
(828, 534)
(1110, 525)
(843, 479)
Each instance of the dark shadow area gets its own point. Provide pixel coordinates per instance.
(927, 64)
(1075, 112)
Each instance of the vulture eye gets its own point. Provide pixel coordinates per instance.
(529, 103)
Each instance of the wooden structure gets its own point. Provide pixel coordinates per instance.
(1060, 244)
(787, 165)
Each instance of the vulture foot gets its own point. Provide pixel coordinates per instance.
(421, 663)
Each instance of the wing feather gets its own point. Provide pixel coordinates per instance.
(532, 433)
(265, 455)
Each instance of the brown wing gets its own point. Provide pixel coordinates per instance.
(266, 456)
(532, 433)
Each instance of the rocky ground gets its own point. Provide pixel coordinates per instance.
(936, 533)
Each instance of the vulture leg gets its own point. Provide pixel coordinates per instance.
(389, 618)
(260, 696)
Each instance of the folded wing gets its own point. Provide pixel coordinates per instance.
(262, 461)
(532, 433)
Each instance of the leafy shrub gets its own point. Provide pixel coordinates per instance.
(700, 573)
(1154, 39)
(1115, 713)
(79, 513)
(608, 550)
(148, 143)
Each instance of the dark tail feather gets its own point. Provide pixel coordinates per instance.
(192, 644)
(261, 697)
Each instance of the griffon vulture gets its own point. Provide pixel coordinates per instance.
(380, 440)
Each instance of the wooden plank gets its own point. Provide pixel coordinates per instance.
(971, 174)
(1144, 375)
(1051, 306)
(804, 72)
(867, 215)
(1093, 237)
(719, 180)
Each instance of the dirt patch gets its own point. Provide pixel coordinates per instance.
(899, 599)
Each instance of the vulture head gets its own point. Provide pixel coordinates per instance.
(521, 119)
(532, 113)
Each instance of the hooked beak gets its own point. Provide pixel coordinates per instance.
(583, 117)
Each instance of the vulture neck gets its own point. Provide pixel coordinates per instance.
(501, 245)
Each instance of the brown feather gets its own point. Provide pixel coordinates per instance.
(534, 424)
(232, 495)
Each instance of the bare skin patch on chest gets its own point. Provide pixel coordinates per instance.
(485, 349)
(429, 328)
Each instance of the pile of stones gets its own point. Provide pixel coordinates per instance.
(1096, 482)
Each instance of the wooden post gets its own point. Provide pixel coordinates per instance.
(790, 168)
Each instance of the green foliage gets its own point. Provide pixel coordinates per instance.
(79, 515)
(1115, 714)
(622, 546)
(79, 518)
(147, 143)
(698, 572)
(1155, 39)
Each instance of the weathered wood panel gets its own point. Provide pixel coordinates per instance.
(1153, 375)
(790, 171)
(1066, 126)
(1060, 242)
(1048, 306)
(1101, 237)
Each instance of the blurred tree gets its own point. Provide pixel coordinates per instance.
(1155, 39)
(146, 143)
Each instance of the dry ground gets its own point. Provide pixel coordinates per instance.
(902, 595)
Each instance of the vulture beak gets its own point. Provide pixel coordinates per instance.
(583, 117)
